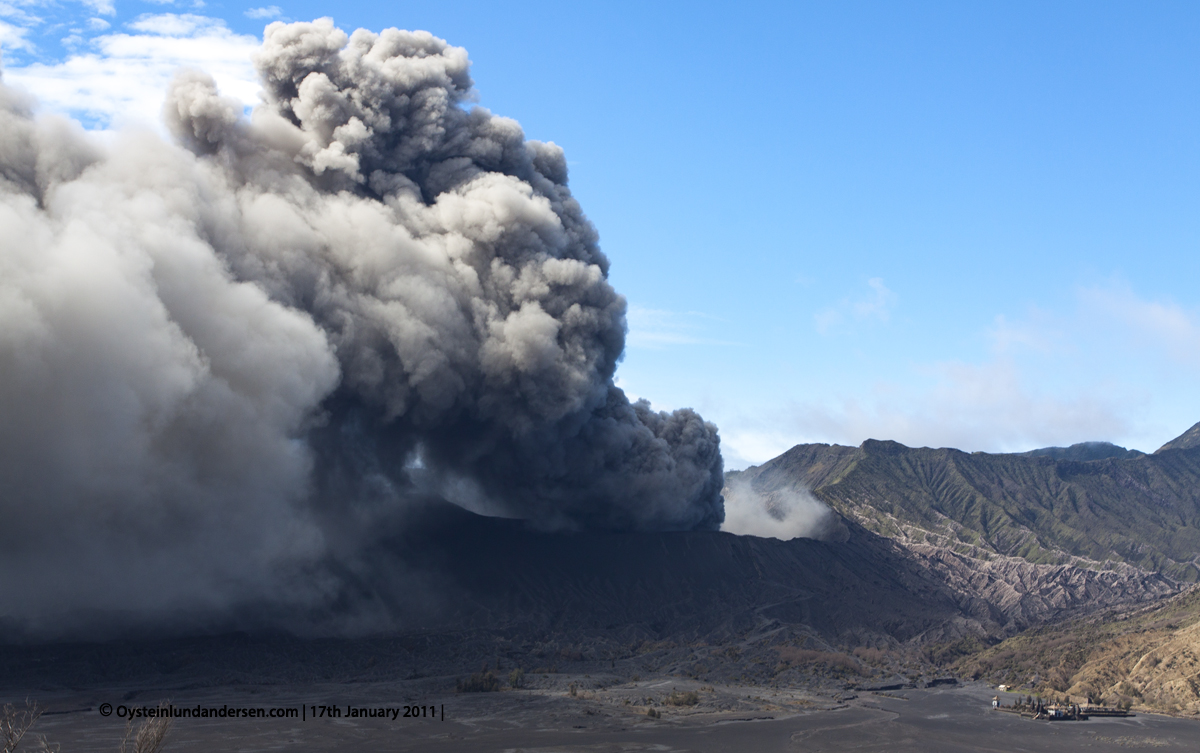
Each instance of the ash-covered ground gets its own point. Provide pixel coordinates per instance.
(583, 706)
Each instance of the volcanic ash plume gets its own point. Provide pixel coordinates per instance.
(228, 363)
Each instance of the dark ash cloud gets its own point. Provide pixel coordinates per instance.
(229, 362)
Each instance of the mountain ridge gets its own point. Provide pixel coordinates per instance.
(1084, 451)
(1188, 440)
(1141, 510)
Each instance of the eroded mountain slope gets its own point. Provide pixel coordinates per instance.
(1147, 656)
(1142, 510)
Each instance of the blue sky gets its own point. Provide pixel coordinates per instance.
(949, 224)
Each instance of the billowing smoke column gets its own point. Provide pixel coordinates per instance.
(227, 364)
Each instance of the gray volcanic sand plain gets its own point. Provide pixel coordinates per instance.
(612, 718)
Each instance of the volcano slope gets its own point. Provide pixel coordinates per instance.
(857, 588)
(459, 588)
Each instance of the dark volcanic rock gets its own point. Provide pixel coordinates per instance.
(866, 589)
(498, 573)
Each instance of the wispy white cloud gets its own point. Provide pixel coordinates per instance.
(271, 11)
(13, 38)
(1162, 327)
(658, 328)
(878, 305)
(172, 24)
(875, 306)
(122, 78)
(102, 7)
(1039, 333)
(18, 13)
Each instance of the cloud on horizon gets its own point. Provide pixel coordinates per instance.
(1049, 377)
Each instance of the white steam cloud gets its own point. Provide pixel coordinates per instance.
(779, 514)
(227, 364)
